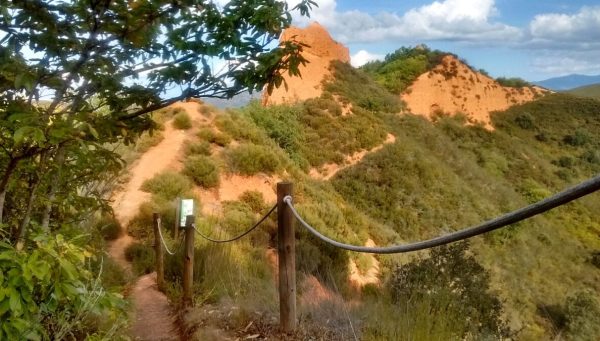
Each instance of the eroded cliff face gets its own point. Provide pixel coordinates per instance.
(453, 87)
(321, 50)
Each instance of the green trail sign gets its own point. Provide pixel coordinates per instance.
(186, 208)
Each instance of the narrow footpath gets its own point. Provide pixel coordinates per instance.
(152, 317)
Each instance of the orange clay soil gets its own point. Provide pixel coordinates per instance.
(232, 186)
(321, 50)
(371, 275)
(453, 87)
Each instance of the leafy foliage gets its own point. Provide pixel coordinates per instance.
(98, 97)
(168, 185)
(514, 82)
(212, 136)
(47, 292)
(399, 69)
(249, 159)
(455, 278)
(182, 121)
(202, 170)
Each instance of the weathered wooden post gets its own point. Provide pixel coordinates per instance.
(177, 222)
(158, 253)
(287, 259)
(188, 262)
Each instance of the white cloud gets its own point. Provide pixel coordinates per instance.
(466, 20)
(581, 27)
(567, 62)
(362, 57)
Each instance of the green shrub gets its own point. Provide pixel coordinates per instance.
(452, 276)
(514, 82)
(112, 274)
(212, 136)
(182, 121)
(358, 88)
(200, 148)
(579, 138)
(583, 316)
(595, 259)
(141, 257)
(254, 199)
(565, 161)
(403, 66)
(109, 227)
(140, 226)
(249, 159)
(525, 121)
(49, 293)
(168, 185)
(202, 170)
(240, 127)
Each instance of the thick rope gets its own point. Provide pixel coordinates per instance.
(165, 244)
(559, 199)
(241, 235)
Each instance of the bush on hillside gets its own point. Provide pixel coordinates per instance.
(356, 87)
(168, 185)
(254, 199)
(579, 138)
(200, 148)
(452, 276)
(212, 136)
(249, 159)
(109, 227)
(514, 82)
(141, 257)
(582, 312)
(202, 170)
(240, 127)
(399, 69)
(182, 121)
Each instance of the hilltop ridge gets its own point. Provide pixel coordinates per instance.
(320, 52)
(453, 87)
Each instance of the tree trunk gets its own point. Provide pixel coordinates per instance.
(54, 184)
(19, 237)
(32, 195)
(12, 164)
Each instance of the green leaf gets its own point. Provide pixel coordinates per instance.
(15, 302)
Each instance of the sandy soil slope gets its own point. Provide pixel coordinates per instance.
(453, 87)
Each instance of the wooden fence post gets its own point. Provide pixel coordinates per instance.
(188, 262)
(158, 253)
(177, 219)
(287, 259)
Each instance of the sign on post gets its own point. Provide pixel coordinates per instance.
(187, 208)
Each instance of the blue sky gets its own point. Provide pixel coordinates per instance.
(532, 39)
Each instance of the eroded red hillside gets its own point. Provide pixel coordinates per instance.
(321, 50)
(453, 87)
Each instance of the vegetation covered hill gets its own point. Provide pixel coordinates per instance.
(433, 83)
(591, 91)
(535, 280)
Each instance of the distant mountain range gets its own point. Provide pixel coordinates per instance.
(235, 102)
(568, 82)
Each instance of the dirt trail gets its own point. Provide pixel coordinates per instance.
(152, 318)
(328, 170)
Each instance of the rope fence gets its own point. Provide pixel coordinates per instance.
(559, 199)
(287, 214)
(166, 248)
(239, 236)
